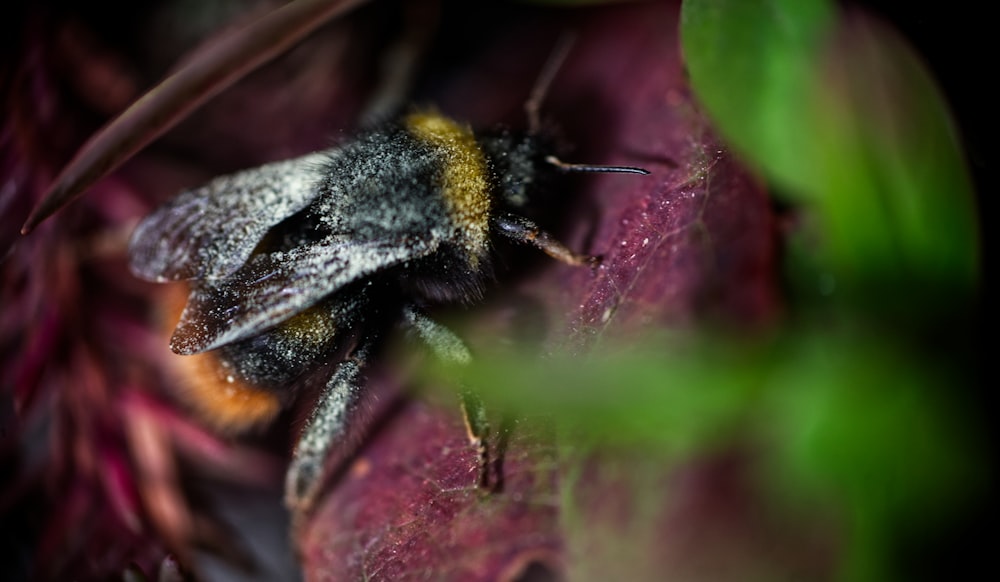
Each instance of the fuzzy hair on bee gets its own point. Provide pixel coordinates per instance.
(297, 268)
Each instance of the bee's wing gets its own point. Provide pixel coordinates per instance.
(209, 232)
(275, 286)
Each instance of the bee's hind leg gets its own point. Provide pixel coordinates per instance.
(330, 433)
(450, 349)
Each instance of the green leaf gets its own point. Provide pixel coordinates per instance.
(855, 421)
(851, 422)
(751, 63)
(841, 115)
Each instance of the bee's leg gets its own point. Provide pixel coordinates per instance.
(522, 230)
(328, 435)
(477, 427)
(450, 349)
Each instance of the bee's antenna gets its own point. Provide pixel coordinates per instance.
(534, 104)
(566, 167)
(538, 92)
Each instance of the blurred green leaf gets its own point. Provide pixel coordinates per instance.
(845, 419)
(832, 402)
(895, 195)
(858, 421)
(674, 404)
(838, 111)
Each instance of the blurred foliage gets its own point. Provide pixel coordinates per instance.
(841, 115)
(841, 419)
(864, 403)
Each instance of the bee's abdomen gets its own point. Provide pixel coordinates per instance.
(212, 386)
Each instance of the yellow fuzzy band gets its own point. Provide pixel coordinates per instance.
(465, 183)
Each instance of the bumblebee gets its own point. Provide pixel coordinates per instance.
(298, 268)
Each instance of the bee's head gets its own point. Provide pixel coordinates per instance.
(523, 164)
(520, 164)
